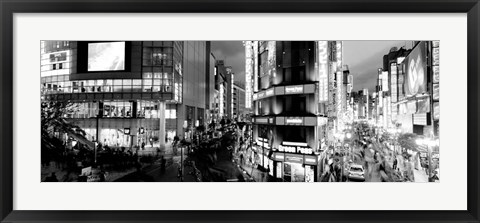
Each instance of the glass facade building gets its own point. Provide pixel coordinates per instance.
(118, 85)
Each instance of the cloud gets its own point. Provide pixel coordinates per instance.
(233, 53)
(364, 58)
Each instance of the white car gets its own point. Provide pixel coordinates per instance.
(356, 173)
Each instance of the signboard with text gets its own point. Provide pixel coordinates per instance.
(297, 89)
(420, 119)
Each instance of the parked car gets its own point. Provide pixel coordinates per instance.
(356, 173)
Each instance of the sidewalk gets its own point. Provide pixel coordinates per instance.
(420, 176)
(152, 150)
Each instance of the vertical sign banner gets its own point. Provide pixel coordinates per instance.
(339, 95)
(436, 110)
(339, 55)
(332, 99)
(393, 72)
(436, 56)
(322, 51)
(436, 74)
(436, 92)
(248, 73)
(416, 71)
(255, 66)
(385, 81)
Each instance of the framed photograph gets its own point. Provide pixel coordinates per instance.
(202, 111)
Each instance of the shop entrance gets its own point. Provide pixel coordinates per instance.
(296, 172)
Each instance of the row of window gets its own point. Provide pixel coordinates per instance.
(157, 56)
(119, 109)
(92, 86)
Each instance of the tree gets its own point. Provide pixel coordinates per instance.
(408, 141)
(53, 117)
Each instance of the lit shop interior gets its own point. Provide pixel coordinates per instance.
(291, 159)
(123, 119)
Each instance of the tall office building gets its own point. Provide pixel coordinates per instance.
(238, 100)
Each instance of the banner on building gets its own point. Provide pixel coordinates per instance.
(436, 111)
(423, 105)
(420, 119)
(411, 107)
(322, 62)
(416, 71)
(436, 74)
(436, 56)
(436, 92)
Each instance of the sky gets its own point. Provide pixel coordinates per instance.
(362, 57)
(233, 53)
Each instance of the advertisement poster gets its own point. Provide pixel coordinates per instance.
(416, 71)
(423, 105)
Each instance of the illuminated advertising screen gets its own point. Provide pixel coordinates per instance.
(108, 56)
(416, 71)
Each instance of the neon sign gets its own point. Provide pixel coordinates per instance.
(293, 89)
(294, 121)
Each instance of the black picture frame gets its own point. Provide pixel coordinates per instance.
(9, 7)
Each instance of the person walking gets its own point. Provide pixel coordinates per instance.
(395, 162)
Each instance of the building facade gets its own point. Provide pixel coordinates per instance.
(297, 100)
(127, 92)
(408, 89)
(238, 101)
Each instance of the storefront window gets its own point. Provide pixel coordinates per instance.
(117, 109)
(114, 138)
(309, 173)
(294, 172)
(287, 176)
(298, 172)
(170, 114)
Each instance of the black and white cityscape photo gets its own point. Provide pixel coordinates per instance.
(240, 111)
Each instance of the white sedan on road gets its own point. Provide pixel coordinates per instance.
(356, 173)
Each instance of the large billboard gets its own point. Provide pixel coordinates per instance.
(416, 71)
(109, 56)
